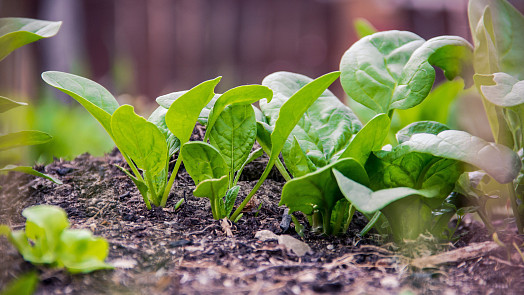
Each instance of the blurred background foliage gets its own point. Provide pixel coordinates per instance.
(141, 49)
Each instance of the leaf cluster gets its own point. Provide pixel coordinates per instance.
(47, 239)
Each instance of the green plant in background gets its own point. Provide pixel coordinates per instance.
(14, 33)
(23, 285)
(48, 240)
(497, 29)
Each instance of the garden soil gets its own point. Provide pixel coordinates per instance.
(163, 251)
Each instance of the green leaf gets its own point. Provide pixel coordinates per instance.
(497, 28)
(81, 252)
(326, 125)
(6, 104)
(23, 285)
(16, 32)
(264, 135)
(214, 190)
(234, 133)
(40, 240)
(165, 101)
(252, 156)
(420, 127)
(31, 171)
(91, 95)
(203, 161)
(394, 69)
(139, 139)
(185, 110)
(229, 200)
(242, 95)
(23, 138)
(504, 90)
(497, 160)
(158, 117)
(296, 160)
(363, 27)
(319, 190)
(368, 201)
(369, 138)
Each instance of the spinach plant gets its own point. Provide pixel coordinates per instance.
(48, 240)
(146, 145)
(231, 128)
(496, 27)
(15, 33)
(289, 114)
(411, 181)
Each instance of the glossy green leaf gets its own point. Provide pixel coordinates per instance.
(166, 100)
(203, 161)
(420, 127)
(325, 127)
(81, 252)
(91, 95)
(319, 190)
(23, 138)
(214, 190)
(6, 104)
(233, 134)
(158, 117)
(140, 139)
(506, 91)
(296, 160)
(242, 95)
(264, 135)
(497, 160)
(16, 32)
(183, 113)
(363, 27)
(368, 201)
(394, 69)
(370, 138)
(29, 170)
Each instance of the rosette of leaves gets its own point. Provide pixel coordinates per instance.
(48, 240)
(411, 183)
(15, 33)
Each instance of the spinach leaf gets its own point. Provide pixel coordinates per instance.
(233, 133)
(203, 161)
(165, 101)
(23, 138)
(502, 89)
(91, 95)
(214, 189)
(16, 32)
(29, 170)
(394, 69)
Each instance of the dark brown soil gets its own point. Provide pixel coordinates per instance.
(187, 252)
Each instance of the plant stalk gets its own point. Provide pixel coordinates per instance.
(171, 179)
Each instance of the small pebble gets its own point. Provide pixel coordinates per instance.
(330, 247)
(389, 282)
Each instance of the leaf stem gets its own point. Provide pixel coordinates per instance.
(513, 199)
(171, 179)
(282, 170)
(254, 190)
